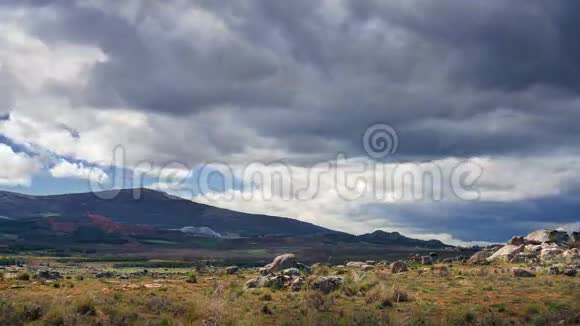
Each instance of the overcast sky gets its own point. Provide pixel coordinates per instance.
(491, 85)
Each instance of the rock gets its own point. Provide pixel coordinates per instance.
(327, 284)
(434, 256)
(232, 270)
(569, 272)
(123, 277)
(49, 275)
(442, 271)
(291, 272)
(448, 260)
(357, 264)
(426, 260)
(105, 274)
(506, 253)
(553, 236)
(297, 284)
(252, 284)
(480, 257)
(551, 253)
(370, 262)
(279, 281)
(533, 248)
(280, 263)
(571, 254)
(524, 257)
(516, 241)
(520, 272)
(303, 268)
(398, 267)
(367, 267)
(554, 270)
(575, 236)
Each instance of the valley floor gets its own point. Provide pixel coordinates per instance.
(469, 295)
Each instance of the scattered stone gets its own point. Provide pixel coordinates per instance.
(297, 284)
(232, 270)
(49, 275)
(327, 284)
(105, 274)
(554, 270)
(520, 272)
(252, 284)
(367, 267)
(442, 271)
(398, 267)
(280, 263)
(291, 272)
(357, 264)
(480, 257)
(570, 272)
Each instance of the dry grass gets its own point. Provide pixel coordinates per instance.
(468, 296)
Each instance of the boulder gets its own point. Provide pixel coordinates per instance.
(569, 272)
(520, 272)
(370, 262)
(280, 263)
(357, 264)
(291, 272)
(541, 236)
(49, 275)
(571, 254)
(442, 271)
(480, 257)
(303, 268)
(398, 267)
(434, 256)
(253, 283)
(516, 241)
(551, 253)
(232, 270)
(105, 274)
(554, 270)
(506, 253)
(366, 267)
(575, 236)
(448, 260)
(297, 284)
(426, 260)
(524, 257)
(327, 284)
(533, 248)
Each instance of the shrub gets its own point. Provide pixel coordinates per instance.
(79, 277)
(8, 315)
(32, 312)
(23, 276)
(400, 296)
(85, 307)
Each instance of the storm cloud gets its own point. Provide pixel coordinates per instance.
(300, 81)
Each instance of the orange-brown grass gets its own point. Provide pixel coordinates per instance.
(467, 295)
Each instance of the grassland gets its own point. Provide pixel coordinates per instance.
(469, 295)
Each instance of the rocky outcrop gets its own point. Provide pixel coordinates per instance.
(366, 267)
(506, 253)
(516, 241)
(357, 264)
(551, 253)
(550, 236)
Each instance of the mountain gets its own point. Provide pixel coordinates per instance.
(152, 217)
(152, 208)
(395, 238)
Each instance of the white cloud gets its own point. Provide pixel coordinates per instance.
(65, 169)
(17, 168)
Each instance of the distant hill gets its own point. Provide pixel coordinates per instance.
(86, 217)
(153, 208)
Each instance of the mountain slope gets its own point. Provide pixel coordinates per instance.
(155, 209)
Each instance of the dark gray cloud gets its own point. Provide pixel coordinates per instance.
(305, 79)
(448, 75)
